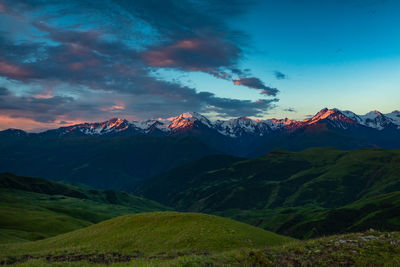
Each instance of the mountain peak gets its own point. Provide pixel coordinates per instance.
(245, 118)
(374, 113)
(116, 122)
(187, 120)
(335, 117)
(116, 119)
(187, 115)
(323, 114)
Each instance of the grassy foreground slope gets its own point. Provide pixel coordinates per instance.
(147, 234)
(34, 208)
(370, 248)
(295, 193)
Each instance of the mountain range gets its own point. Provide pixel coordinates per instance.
(117, 153)
(232, 128)
(249, 137)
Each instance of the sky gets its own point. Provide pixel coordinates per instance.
(66, 62)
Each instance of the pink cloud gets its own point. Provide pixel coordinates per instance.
(12, 71)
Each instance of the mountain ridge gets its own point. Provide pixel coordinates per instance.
(232, 128)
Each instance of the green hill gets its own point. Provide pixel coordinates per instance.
(34, 208)
(284, 191)
(162, 234)
(371, 248)
(379, 212)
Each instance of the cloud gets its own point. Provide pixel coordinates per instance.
(290, 110)
(207, 55)
(255, 83)
(38, 109)
(4, 91)
(279, 75)
(11, 70)
(114, 108)
(103, 65)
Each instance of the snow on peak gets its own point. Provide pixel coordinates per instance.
(241, 126)
(373, 114)
(188, 115)
(115, 123)
(395, 117)
(335, 117)
(353, 116)
(323, 114)
(147, 126)
(377, 120)
(187, 119)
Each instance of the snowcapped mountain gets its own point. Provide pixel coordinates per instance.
(395, 117)
(150, 126)
(334, 117)
(377, 120)
(241, 127)
(112, 126)
(276, 124)
(195, 123)
(187, 121)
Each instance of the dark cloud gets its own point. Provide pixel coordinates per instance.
(54, 108)
(4, 91)
(279, 75)
(255, 83)
(108, 67)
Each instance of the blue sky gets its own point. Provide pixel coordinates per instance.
(67, 62)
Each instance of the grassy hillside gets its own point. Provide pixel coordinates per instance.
(283, 190)
(370, 248)
(379, 212)
(146, 234)
(34, 208)
(100, 162)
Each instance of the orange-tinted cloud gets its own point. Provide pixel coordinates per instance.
(46, 93)
(31, 125)
(114, 108)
